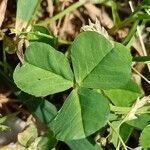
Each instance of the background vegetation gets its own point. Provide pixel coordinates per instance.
(74, 74)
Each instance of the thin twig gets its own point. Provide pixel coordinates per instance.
(123, 144)
(141, 75)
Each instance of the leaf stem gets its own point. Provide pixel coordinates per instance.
(125, 110)
(128, 21)
(63, 13)
(141, 59)
(48, 36)
(51, 37)
(120, 138)
(131, 33)
(121, 24)
(115, 15)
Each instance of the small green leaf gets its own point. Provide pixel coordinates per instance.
(3, 119)
(8, 117)
(144, 138)
(83, 144)
(45, 71)
(25, 12)
(124, 96)
(4, 128)
(44, 142)
(141, 122)
(41, 34)
(28, 136)
(146, 2)
(47, 142)
(83, 113)
(99, 64)
(141, 58)
(40, 107)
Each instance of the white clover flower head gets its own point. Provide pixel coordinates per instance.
(97, 27)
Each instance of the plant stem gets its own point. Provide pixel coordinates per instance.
(121, 24)
(131, 33)
(47, 36)
(141, 59)
(125, 110)
(120, 138)
(118, 146)
(115, 15)
(141, 75)
(128, 21)
(51, 37)
(63, 13)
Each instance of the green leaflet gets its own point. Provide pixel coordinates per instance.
(83, 113)
(45, 71)
(86, 52)
(124, 96)
(141, 122)
(144, 138)
(36, 28)
(25, 12)
(34, 36)
(40, 107)
(83, 144)
(98, 64)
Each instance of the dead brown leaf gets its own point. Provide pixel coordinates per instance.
(3, 99)
(50, 7)
(100, 14)
(136, 44)
(3, 5)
